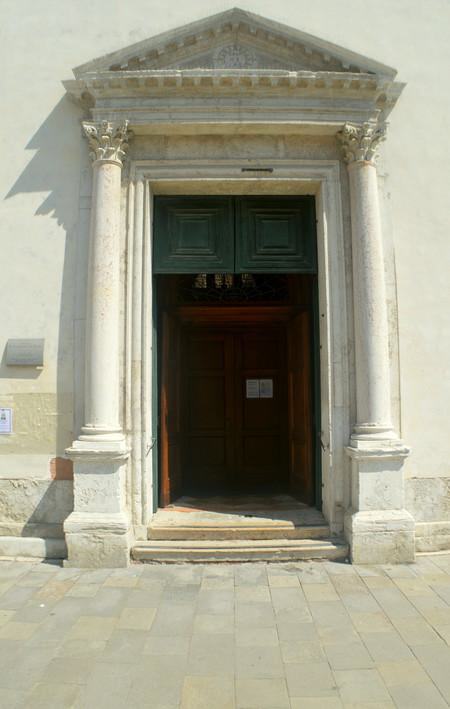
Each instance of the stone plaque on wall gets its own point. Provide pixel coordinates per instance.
(25, 352)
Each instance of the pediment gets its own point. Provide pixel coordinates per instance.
(234, 40)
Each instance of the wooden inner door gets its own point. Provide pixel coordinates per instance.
(234, 430)
(216, 436)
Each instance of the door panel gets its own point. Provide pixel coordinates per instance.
(194, 234)
(170, 410)
(207, 410)
(235, 234)
(261, 423)
(275, 234)
(300, 408)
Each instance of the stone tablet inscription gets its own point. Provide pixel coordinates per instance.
(25, 352)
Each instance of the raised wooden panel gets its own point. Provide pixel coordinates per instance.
(194, 234)
(206, 403)
(275, 234)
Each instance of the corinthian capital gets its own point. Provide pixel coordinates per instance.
(360, 141)
(107, 140)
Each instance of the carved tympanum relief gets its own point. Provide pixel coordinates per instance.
(235, 56)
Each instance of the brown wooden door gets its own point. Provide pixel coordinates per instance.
(170, 410)
(215, 437)
(300, 408)
(233, 442)
(261, 439)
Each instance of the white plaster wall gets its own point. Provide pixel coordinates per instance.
(44, 222)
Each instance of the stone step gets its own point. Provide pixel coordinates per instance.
(239, 550)
(282, 530)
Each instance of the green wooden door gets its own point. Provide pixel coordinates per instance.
(275, 234)
(194, 234)
(234, 234)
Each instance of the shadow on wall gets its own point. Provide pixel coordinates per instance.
(56, 169)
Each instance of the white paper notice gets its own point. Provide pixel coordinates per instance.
(266, 388)
(252, 388)
(5, 420)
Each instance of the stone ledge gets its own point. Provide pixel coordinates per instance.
(32, 529)
(32, 548)
(380, 521)
(433, 536)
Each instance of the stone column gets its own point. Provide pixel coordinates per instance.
(98, 530)
(377, 525)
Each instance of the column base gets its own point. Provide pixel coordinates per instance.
(378, 527)
(97, 540)
(380, 536)
(98, 532)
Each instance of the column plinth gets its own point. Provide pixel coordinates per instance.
(98, 530)
(378, 527)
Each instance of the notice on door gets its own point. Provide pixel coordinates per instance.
(266, 388)
(252, 388)
(259, 388)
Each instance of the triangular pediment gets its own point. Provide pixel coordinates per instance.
(234, 40)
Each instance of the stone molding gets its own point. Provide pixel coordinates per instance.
(113, 522)
(108, 140)
(360, 142)
(235, 27)
(262, 71)
(382, 452)
(97, 455)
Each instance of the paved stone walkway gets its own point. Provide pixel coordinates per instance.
(249, 636)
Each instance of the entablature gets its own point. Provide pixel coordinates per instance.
(235, 71)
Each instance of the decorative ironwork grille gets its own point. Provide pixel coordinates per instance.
(233, 288)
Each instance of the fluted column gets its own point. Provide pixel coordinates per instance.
(378, 526)
(98, 530)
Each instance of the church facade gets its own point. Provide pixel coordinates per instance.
(226, 280)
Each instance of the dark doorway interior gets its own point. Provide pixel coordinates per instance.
(236, 373)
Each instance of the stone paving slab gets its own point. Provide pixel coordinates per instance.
(239, 636)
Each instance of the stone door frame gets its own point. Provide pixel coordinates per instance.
(319, 178)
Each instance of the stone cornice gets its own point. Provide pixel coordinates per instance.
(360, 142)
(131, 83)
(107, 140)
(173, 100)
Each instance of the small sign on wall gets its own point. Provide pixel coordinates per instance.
(259, 388)
(5, 420)
(25, 352)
